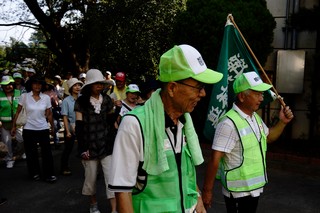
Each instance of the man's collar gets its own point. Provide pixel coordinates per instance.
(169, 122)
(241, 113)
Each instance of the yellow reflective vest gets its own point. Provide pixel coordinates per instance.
(251, 172)
(8, 107)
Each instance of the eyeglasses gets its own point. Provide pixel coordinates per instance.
(257, 94)
(200, 87)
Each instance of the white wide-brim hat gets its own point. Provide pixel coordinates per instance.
(94, 76)
(71, 82)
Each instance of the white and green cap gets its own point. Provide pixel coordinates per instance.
(184, 61)
(133, 88)
(249, 80)
(17, 75)
(6, 79)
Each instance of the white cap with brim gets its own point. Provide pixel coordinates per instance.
(17, 75)
(184, 61)
(94, 76)
(31, 70)
(133, 88)
(57, 77)
(249, 80)
(82, 75)
(16, 69)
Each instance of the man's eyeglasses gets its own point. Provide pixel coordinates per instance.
(200, 87)
(257, 94)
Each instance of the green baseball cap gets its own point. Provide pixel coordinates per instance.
(249, 80)
(6, 79)
(184, 61)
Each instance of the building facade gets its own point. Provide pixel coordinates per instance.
(291, 68)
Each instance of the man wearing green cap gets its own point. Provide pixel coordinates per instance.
(9, 98)
(156, 148)
(240, 145)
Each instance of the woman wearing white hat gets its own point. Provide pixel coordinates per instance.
(93, 111)
(69, 121)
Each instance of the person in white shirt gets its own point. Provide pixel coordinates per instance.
(239, 147)
(156, 148)
(37, 131)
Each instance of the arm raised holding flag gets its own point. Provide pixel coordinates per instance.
(235, 59)
(239, 147)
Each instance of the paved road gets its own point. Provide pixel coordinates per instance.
(292, 189)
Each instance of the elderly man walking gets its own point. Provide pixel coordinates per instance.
(240, 145)
(156, 148)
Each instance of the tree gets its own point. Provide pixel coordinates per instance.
(58, 38)
(131, 35)
(4, 63)
(123, 35)
(14, 54)
(202, 26)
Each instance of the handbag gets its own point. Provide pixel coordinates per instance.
(22, 118)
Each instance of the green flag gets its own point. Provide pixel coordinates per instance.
(234, 59)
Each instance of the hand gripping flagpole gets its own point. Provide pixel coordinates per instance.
(230, 17)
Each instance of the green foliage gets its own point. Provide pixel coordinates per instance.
(116, 35)
(202, 26)
(17, 52)
(131, 35)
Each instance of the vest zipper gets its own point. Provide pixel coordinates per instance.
(260, 146)
(178, 166)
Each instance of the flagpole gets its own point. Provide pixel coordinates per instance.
(257, 61)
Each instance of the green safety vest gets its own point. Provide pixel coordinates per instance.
(251, 172)
(161, 193)
(7, 109)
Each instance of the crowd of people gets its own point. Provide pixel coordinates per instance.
(142, 136)
(52, 104)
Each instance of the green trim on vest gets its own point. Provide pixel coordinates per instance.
(251, 174)
(161, 193)
(7, 111)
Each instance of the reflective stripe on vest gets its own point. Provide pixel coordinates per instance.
(249, 182)
(251, 172)
(7, 110)
(161, 193)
